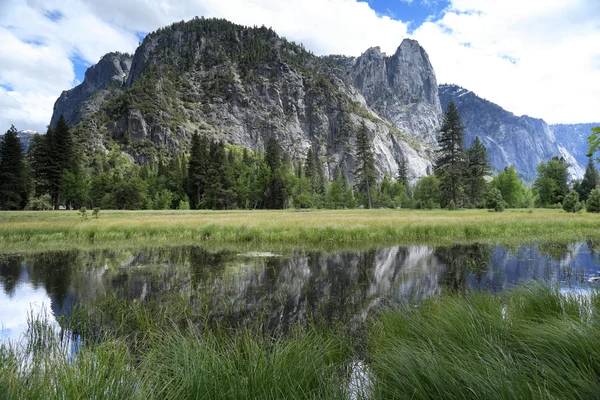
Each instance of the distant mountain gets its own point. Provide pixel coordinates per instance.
(511, 140)
(25, 137)
(574, 138)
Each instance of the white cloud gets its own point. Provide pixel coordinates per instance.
(534, 57)
(553, 46)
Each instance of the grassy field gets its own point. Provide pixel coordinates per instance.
(39, 231)
(530, 343)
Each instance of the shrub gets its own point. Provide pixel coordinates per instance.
(593, 202)
(494, 200)
(570, 202)
(96, 213)
(83, 213)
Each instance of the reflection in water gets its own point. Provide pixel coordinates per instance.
(303, 285)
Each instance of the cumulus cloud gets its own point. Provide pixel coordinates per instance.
(532, 57)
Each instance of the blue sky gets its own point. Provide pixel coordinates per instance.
(414, 11)
(534, 57)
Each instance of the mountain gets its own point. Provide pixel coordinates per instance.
(25, 138)
(510, 140)
(574, 138)
(401, 88)
(244, 85)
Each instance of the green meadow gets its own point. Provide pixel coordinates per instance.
(49, 230)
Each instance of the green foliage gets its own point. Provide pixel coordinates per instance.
(593, 201)
(552, 182)
(478, 167)
(593, 141)
(366, 171)
(427, 192)
(13, 174)
(591, 179)
(451, 165)
(495, 201)
(39, 203)
(83, 213)
(511, 187)
(96, 212)
(571, 202)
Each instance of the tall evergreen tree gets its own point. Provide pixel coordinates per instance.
(197, 170)
(403, 171)
(310, 169)
(478, 166)
(13, 185)
(590, 180)
(450, 166)
(56, 157)
(366, 170)
(274, 194)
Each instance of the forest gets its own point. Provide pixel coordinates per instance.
(57, 173)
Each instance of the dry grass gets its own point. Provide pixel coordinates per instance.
(31, 231)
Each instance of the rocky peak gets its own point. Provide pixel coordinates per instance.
(401, 88)
(111, 72)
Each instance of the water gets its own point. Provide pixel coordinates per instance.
(282, 289)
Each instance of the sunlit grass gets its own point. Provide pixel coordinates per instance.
(39, 231)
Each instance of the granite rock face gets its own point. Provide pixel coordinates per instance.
(401, 88)
(101, 81)
(510, 140)
(245, 85)
(574, 138)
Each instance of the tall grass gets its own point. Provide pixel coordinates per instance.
(529, 343)
(38, 231)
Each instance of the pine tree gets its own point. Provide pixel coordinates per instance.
(403, 171)
(13, 185)
(274, 194)
(450, 166)
(197, 170)
(478, 166)
(590, 180)
(366, 170)
(310, 169)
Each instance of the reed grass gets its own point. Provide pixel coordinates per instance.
(532, 342)
(43, 231)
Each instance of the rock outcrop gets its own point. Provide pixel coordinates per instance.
(401, 88)
(510, 140)
(101, 81)
(574, 138)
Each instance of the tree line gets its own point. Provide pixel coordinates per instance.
(56, 173)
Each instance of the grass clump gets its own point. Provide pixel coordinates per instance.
(532, 343)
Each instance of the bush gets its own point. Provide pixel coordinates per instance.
(494, 200)
(570, 202)
(40, 203)
(593, 202)
(83, 213)
(451, 205)
(96, 213)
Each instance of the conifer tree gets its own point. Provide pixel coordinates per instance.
(274, 194)
(197, 170)
(478, 166)
(590, 180)
(310, 169)
(366, 170)
(450, 166)
(402, 171)
(13, 186)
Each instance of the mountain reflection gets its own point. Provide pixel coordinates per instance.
(301, 286)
